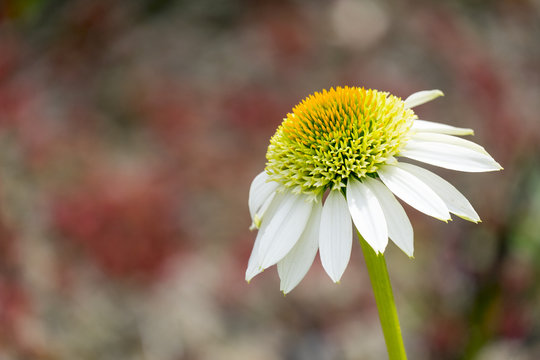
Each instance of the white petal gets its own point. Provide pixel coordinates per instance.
(455, 201)
(450, 156)
(294, 266)
(284, 222)
(447, 139)
(421, 97)
(259, 192)
(434, 127)
(413, 191)
(335, 237)
(400, 229)
(254, 267)
(367, 215)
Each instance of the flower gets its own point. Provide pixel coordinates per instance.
(345, 143)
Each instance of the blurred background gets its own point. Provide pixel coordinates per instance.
(130, 132)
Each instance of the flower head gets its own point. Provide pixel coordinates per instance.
(345, 143)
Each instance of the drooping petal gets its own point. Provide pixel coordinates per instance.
(284, 222)
(294, 266)
(367, 214)
(259, 192)
(413, 191)
(421, 126)
(258, 217)
(254, 267)
(335, 237)
(455, 201)
(400, 229)
(422, 97)
(452, 156)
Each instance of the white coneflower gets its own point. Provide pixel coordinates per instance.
(349, 143)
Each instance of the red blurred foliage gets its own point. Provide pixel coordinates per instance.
(514, 324)
(286, 29)
(17, 101)
(10, 51)
(251, 109)
(516, 281)
(169, 110)
(126, 224)
(444, 335)
(85, 31)
(14, 301)
(475, 73)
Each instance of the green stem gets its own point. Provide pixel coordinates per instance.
(378, 274)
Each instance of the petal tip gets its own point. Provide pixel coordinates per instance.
(447, 217)
(251, 274)
(335, 279)
(475, 220)
(409, 252)
(422, 97)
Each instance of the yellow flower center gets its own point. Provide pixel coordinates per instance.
(335, 134)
